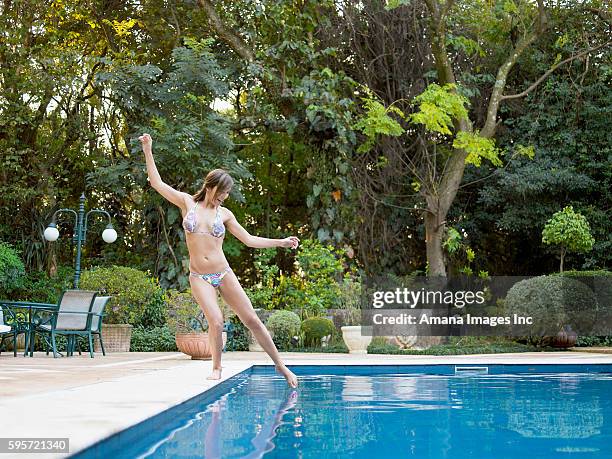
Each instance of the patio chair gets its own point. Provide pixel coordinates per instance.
(7, 330)
(96, 321)
(73, 318)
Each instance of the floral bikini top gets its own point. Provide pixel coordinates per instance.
(190, 223)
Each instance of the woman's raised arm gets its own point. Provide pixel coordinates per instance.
(257, 242)
(176, 197)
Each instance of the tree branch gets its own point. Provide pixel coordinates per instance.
(438, 41)
(552, 69)
(488, 130)
(228, 36)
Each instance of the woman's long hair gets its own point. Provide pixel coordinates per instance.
(217, 177)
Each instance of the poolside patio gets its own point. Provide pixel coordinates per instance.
(88, 399)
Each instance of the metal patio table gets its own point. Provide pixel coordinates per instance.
(28, 324)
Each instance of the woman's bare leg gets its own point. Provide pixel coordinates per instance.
(206, 296)
(234, 295)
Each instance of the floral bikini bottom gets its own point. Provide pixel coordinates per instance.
(213, 279)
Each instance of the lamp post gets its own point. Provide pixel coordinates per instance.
(80, 231)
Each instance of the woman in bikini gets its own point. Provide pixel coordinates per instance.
(209, 270)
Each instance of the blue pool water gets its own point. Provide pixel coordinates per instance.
(536, 411)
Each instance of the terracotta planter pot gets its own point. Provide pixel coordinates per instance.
(116, 337)
(354, 340)
(565, 338)
(8, 343)
(196, 345)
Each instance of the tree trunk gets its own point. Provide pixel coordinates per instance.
(434, 232)
(562, 257)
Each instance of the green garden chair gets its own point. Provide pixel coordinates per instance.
(96, 321)
(73, 318)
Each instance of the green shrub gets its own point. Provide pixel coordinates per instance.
(320, 266)
(588, 341)
(38, 287)
(238, 339)
(312, 289)
(553, 302)
(600, 282)
(184, 313)
(336, 348)
(264, 292)
(158, 339)
(447, 349)
(132, 292)
(12, 270)
(316, 328)
(283, 325)
(154, 314)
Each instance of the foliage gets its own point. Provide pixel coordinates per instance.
(350, 300)
(600, 283)
(553, 302)
(590, 341)
(569, 230)
(316, 328)
(157, 339)
(262, 293)
(377, 121)
(283, 325)
(131, 290)
(79, 83)
(184, 314)
(439, 106)
(238, 339)
(446, 349)
(477, 148)
(461, 256)
(311, 288)
(39, 287)
(337, 348)
(154, 314)
(11, 268)
(567, 125)
(319, 268)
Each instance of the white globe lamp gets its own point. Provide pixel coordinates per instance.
(109, 234)
(51, 233)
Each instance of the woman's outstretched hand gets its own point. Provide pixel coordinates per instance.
(290, 242)
(146, 141)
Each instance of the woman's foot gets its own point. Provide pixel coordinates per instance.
(289, 376)
(216, 374)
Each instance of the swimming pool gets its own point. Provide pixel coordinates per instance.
(420, 411)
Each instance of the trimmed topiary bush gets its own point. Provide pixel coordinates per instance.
(12, 270)
(600, 282)
(552, 301)
(132, 293)
(316, 328)
(570, 231)
(283, 325)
